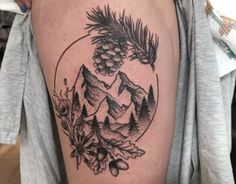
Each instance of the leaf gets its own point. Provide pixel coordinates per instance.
(125, 149)
(98, 166)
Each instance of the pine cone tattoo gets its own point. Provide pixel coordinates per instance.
(109, 55)
(116, 36)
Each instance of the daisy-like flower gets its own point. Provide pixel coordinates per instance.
(82, 148)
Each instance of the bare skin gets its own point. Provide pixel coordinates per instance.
(56, 26)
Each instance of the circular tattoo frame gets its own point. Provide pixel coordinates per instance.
(102, 143)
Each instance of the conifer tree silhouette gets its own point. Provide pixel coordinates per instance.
(133, 126)
(151, 98)
(95, 126)
(76, 102)
(84, 111)
(107, 123)
(143, 114)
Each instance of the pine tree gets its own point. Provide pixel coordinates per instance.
(76, 103)
(95, 126)
(144, 111)
(81, 120)
(133, 127)
(151, 98)
(107, 123)
(84, 111)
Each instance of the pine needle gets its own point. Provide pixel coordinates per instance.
(143, 43)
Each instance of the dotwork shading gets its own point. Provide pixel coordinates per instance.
(103, 130)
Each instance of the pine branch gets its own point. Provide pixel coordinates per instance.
(144, 44)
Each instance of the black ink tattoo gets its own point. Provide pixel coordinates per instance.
(102, 129)
(118, 35)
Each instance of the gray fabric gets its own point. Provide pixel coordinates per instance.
(6, 19)
(22, 85)
(201, 145)
(227, 85)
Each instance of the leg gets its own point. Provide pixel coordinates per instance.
(113, 84)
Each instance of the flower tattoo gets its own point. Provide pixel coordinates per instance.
(105, 120)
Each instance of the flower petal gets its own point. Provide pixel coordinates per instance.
(78, 161)
(89, 142)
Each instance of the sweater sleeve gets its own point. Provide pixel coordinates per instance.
(12, 84)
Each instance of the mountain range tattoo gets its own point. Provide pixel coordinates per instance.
(102, 127)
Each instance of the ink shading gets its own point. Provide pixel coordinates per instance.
(101, 127)
(116, 35)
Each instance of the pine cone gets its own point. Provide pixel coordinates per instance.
(109, 55)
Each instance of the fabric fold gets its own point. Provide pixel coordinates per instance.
(12, 82)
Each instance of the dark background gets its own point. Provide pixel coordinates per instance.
(233, 153)
(5, 25)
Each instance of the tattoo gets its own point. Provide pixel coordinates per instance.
(102, 120)
(115, 36)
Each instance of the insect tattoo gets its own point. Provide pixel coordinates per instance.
(104, 120)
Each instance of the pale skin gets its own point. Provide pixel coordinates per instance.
(58, 23)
